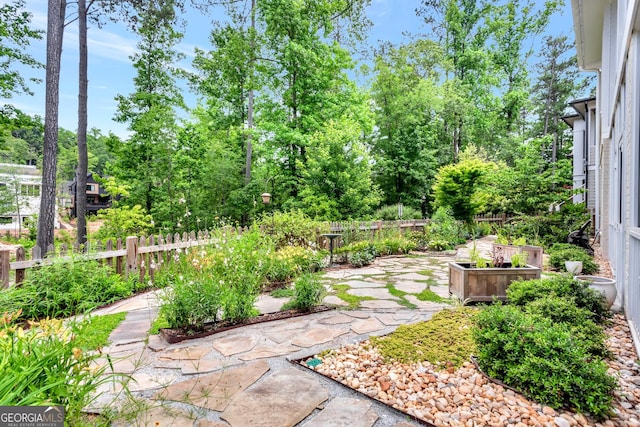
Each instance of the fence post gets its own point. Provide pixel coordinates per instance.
(5, 268)
(132, 255)
(21, 255)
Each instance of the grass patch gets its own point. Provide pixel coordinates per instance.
(401, 295)
(352, 300)
(159, 322)
(282, 293)
(428, 273)
(94, 334)
(445, 340)
(429, 295)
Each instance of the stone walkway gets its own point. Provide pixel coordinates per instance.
(244, 377)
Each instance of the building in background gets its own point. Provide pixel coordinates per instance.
(97, 197)
(20, 187)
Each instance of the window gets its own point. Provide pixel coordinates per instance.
(91, 187)
(6, 220)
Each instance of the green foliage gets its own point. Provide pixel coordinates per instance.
(580, 321)
(16, 37)
(444, 231)
(557, 257)
(523, 292)
(390, 213)
(519, 259)
(124, 221)
(292, 228)
(65, 288)
(459, 187)
(548, 228)
(359, 253)
(444, 339)
(93, 333)
(44, 366)
(307, 293)
(542, 359)
(398, 245)
(292, 261)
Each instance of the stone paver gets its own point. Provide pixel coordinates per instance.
(411, 276)
(215, 391)
(186, 353)
(380, 304)
(343, 411)
(316, 336)
(378, 293)
(365, 326)
(264, 351)
(204, 366)
(283, 399)
(234, 344)
(356, 284)
(269, 304)
(410, 287)
(334, 300)
(337, 319)
(164, 416)
(144, 381)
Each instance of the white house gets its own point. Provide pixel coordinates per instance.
(20, 187)
(608, 44)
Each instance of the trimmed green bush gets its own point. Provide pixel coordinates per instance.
(542, 359)
(580, 321)
(523, 292)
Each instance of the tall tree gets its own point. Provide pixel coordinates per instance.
(145, 160)
(81, 173)
(407, 107)
(558, 81)
(15, 37)
(46, 218)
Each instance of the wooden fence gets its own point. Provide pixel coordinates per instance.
(137, 253)
(133, 257)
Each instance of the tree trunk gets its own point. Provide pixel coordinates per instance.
(247, 176)
(81, 172)
(46, 219)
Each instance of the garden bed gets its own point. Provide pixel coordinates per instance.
(175, 335)
(452, 397)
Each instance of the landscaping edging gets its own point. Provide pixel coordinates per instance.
(173, 336)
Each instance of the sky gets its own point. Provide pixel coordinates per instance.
(111, 71)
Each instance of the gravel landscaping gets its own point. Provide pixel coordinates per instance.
(465, 397)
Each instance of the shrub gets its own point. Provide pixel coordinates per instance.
(123, 221)
(558, 257)
(307, 293)
(291, 261)
(360, 253)
(43, 366)
(394, 246)
(66, 287)
(523, 292)
(543, 360)
(580, 321)
(390, 213)
(219, 283)
(292, 228)
(549, 228)
(444, 231)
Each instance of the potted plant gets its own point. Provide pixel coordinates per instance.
(485, 280)
(603, 285)
(519, 245)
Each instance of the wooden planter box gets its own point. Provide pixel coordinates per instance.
(535, 253)
(485, 284)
